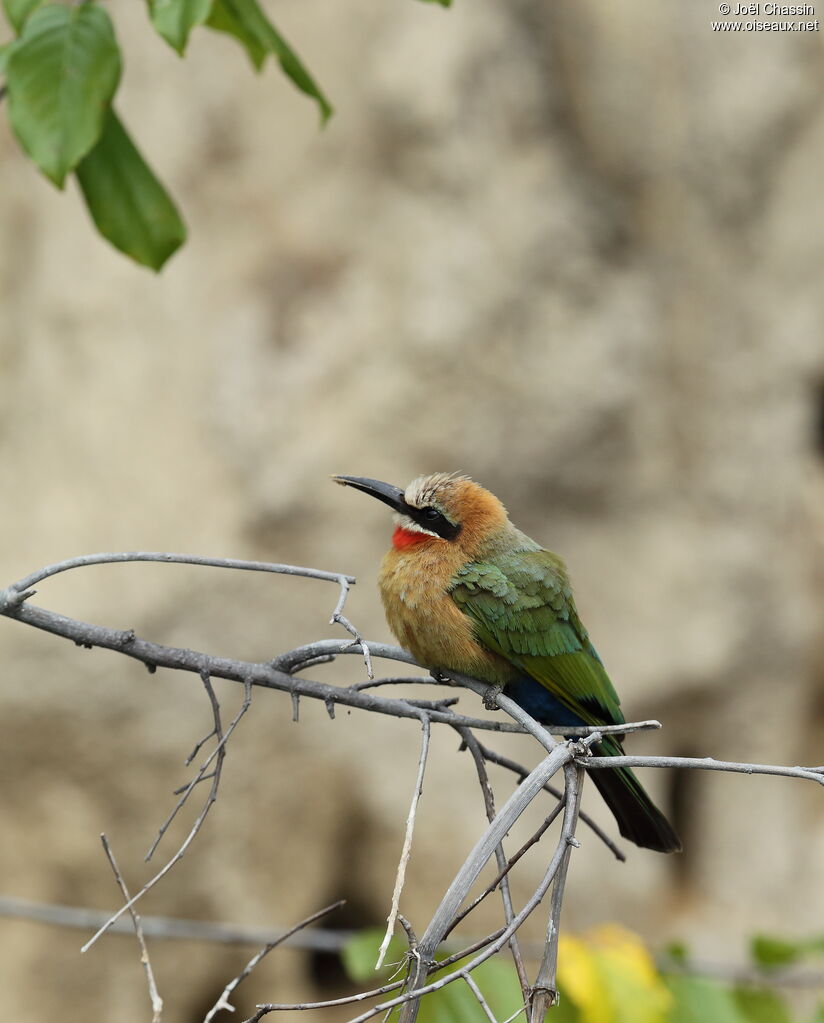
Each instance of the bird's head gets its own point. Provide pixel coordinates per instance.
(443, 506)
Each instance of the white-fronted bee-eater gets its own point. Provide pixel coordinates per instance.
(464, 590)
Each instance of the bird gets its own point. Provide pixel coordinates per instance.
(464, 590)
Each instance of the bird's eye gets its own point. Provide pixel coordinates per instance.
(430, 514)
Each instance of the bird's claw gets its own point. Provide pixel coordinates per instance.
(440, 678)
(491, 697)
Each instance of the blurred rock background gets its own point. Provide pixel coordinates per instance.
(574, 250)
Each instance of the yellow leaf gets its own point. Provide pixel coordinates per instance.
(579, 976)
(611, 978)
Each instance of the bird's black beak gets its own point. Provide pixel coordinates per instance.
(393, 496)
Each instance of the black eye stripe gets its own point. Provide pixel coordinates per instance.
(436, 522)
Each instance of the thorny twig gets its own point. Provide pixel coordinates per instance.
(198, 824)
(156, 1000)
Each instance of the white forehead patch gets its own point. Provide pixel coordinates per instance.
(424, 490)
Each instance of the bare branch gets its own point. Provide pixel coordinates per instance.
(156, 1000)
(178, 559)
(407, 842)
(706, 764)
(223, 1001)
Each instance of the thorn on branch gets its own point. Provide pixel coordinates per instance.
(330, 708)
(296, 707)
(11, 598)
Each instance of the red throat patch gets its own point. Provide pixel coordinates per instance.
(407, 538)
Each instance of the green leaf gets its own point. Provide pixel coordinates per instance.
(697, 1000)
(360, 953)
(5, 53)
(760, 1005)
(61, 76)
(677, 952)
(443, 3)
(128, 204)
(175, 19)
(223, 19)
(255, 25)
(18, 10)
(767, 950)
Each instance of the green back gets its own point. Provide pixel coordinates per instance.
(522, 608)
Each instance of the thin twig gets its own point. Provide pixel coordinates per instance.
(218, 754)
(407, 841)
(395, 680)
(338, 618)
(178, 559)
(476, 991)
(545, 989)
(706, 764)
(198, 824)
(504, 866)
(197, 748)
(183, 788)
(156, 1000)
(223, 1001)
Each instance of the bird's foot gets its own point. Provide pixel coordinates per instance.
(441, 679)
(490, 697)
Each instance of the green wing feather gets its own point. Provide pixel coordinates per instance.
(522, 608)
